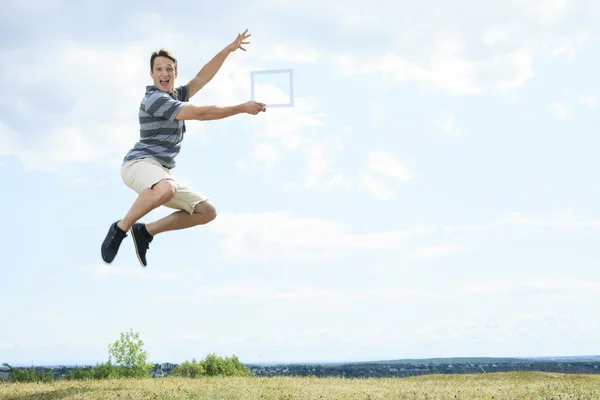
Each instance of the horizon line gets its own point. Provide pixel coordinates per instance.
(296, 362)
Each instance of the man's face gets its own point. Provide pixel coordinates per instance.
(164, 74)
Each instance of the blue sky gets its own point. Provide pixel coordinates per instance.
(432, 193)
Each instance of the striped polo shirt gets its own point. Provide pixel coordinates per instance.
(160, 133)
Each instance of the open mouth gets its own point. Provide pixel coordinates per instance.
(164, 83)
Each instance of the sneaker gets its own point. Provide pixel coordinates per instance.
(112, 242)
(141, 240)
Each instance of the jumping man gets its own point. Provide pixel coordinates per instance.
(146, 167)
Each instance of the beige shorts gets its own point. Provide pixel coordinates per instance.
(144, 173)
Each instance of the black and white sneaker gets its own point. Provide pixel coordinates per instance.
(141, 240)
(112, 242)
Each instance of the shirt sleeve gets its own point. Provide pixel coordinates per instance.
(183, 92)
(161, 105)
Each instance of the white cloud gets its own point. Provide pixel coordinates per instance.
(241, 167)
(109, 271)
(380, 188)
(265, 154)
(380, 170)
(434, 252)
(471, 51)
(83, 132)
(381, 112)
(449, 69)
(506, 333)
(292, 126)
(561, 110)
(511, 288)
(261, 291)
(290, 52)
(292, 292)
(320, 173)
(281, 236)
(565, 49)
(448, 124)
(546, 11)
(8, 140)
(590, 100)
(270, 94)
(565, 220)
(384, 164)
(496, 35)
(296, 129)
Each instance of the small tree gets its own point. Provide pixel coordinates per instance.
(129, 355)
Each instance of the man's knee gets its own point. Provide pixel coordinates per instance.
(165, 191)
(207, 209)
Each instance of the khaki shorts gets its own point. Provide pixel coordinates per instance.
(144, 173)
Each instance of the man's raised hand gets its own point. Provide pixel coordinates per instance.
(239, 41)
(254, 107)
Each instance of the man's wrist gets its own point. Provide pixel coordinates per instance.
(239, 109)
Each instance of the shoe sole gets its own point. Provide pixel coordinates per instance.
(136, 248)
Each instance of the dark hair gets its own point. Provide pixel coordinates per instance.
(162, 53)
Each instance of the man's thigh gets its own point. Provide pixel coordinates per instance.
(143, 174)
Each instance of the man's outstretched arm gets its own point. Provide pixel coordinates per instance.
(210, 69)
(207, 113)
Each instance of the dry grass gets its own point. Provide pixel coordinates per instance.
(517, 385)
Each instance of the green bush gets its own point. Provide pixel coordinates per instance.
(212, 365)
(30, 374)
(100, 371)
(189, 370)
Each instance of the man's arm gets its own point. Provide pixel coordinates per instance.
(207, 113)
(210, 69)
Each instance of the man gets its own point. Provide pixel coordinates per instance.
(146, 167)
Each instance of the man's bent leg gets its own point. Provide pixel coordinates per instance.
(193, 209)
(204, 212)
(150, 199)
(154, 186)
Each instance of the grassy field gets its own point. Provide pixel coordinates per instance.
(518, 385)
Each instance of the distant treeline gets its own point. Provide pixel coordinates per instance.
(130, 361)
(382, 369)
(229, 366)
(212, 365)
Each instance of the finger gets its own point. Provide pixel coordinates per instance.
(242, 48)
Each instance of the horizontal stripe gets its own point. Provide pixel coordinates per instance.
(146, 133)
(159, 124)
(161, 140)
(158, 149)
(160, 134)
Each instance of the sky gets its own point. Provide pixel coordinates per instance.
(433, 191)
